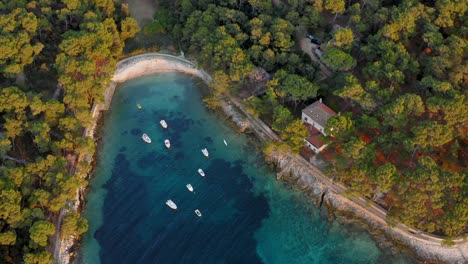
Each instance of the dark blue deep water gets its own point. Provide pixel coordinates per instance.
(248, 216)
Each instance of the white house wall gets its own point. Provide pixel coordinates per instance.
(313, 148)
(308, 120)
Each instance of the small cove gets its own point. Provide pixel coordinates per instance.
(248, 216)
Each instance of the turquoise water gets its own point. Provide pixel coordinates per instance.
(248, 216)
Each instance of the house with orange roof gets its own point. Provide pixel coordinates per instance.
(315, 117)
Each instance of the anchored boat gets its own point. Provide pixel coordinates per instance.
(202, 173)
(205, 152)
(198, 213)
(163, 123)
(171, 204)
(146, 138)
(167, 143)
(189, 187)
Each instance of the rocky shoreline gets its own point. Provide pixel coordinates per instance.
(290, 166)
(341, 208)
(65, 249)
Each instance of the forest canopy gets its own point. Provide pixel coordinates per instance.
(398, 76)
(396, 70)
(56, 59)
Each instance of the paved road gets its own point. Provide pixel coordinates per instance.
(378, 213)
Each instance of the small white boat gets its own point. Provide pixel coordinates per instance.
(167, 143)
(139, 106)
(198, 212)
(205, 152)
(171, 204)
(163, 123)
(202, 173)
(146, 138)
(189, 187)
(225, 143)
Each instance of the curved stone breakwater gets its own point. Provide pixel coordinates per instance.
(425, 246)
(130, 68)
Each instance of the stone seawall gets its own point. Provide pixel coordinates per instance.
(427, 249)
(142, 65)
(294, 168)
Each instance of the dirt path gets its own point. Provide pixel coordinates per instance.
(259, 127)
(142, 10)
(57, 239)
(306, 46)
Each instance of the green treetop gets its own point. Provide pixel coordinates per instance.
(343, 38)
(338, 59)
(17, 29)
(40, 231)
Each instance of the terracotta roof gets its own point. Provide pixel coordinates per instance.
(315, 137)
(319, 112)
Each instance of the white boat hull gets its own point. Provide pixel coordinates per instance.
(198, 213)
(171, 204)
(163, 123)
(202, 173)
(167, 143)
(189, 187)
(205, 152)
(146, 138)
(225, 143)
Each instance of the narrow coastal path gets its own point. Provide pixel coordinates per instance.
(146, 64)
(362, 203)
(260, 128)
(58, 241)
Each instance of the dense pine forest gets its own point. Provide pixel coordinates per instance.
(396, 70)
(56, 59)
(398, 75)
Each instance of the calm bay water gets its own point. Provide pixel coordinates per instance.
(248, 216)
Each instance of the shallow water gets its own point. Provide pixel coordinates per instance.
(248, 216)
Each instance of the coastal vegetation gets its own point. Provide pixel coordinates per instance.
(56, 60)
(398, 75)
(398, 78)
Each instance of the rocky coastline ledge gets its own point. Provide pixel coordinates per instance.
(307, 177)
(334, 196)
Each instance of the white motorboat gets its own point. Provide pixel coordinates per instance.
(189, 187)
(163, 123)
(167, 143)
(225, 143)
(139, 106)
(146, 138)
(205, 152)
(202, 173)
(198, 212)
(171, 204)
